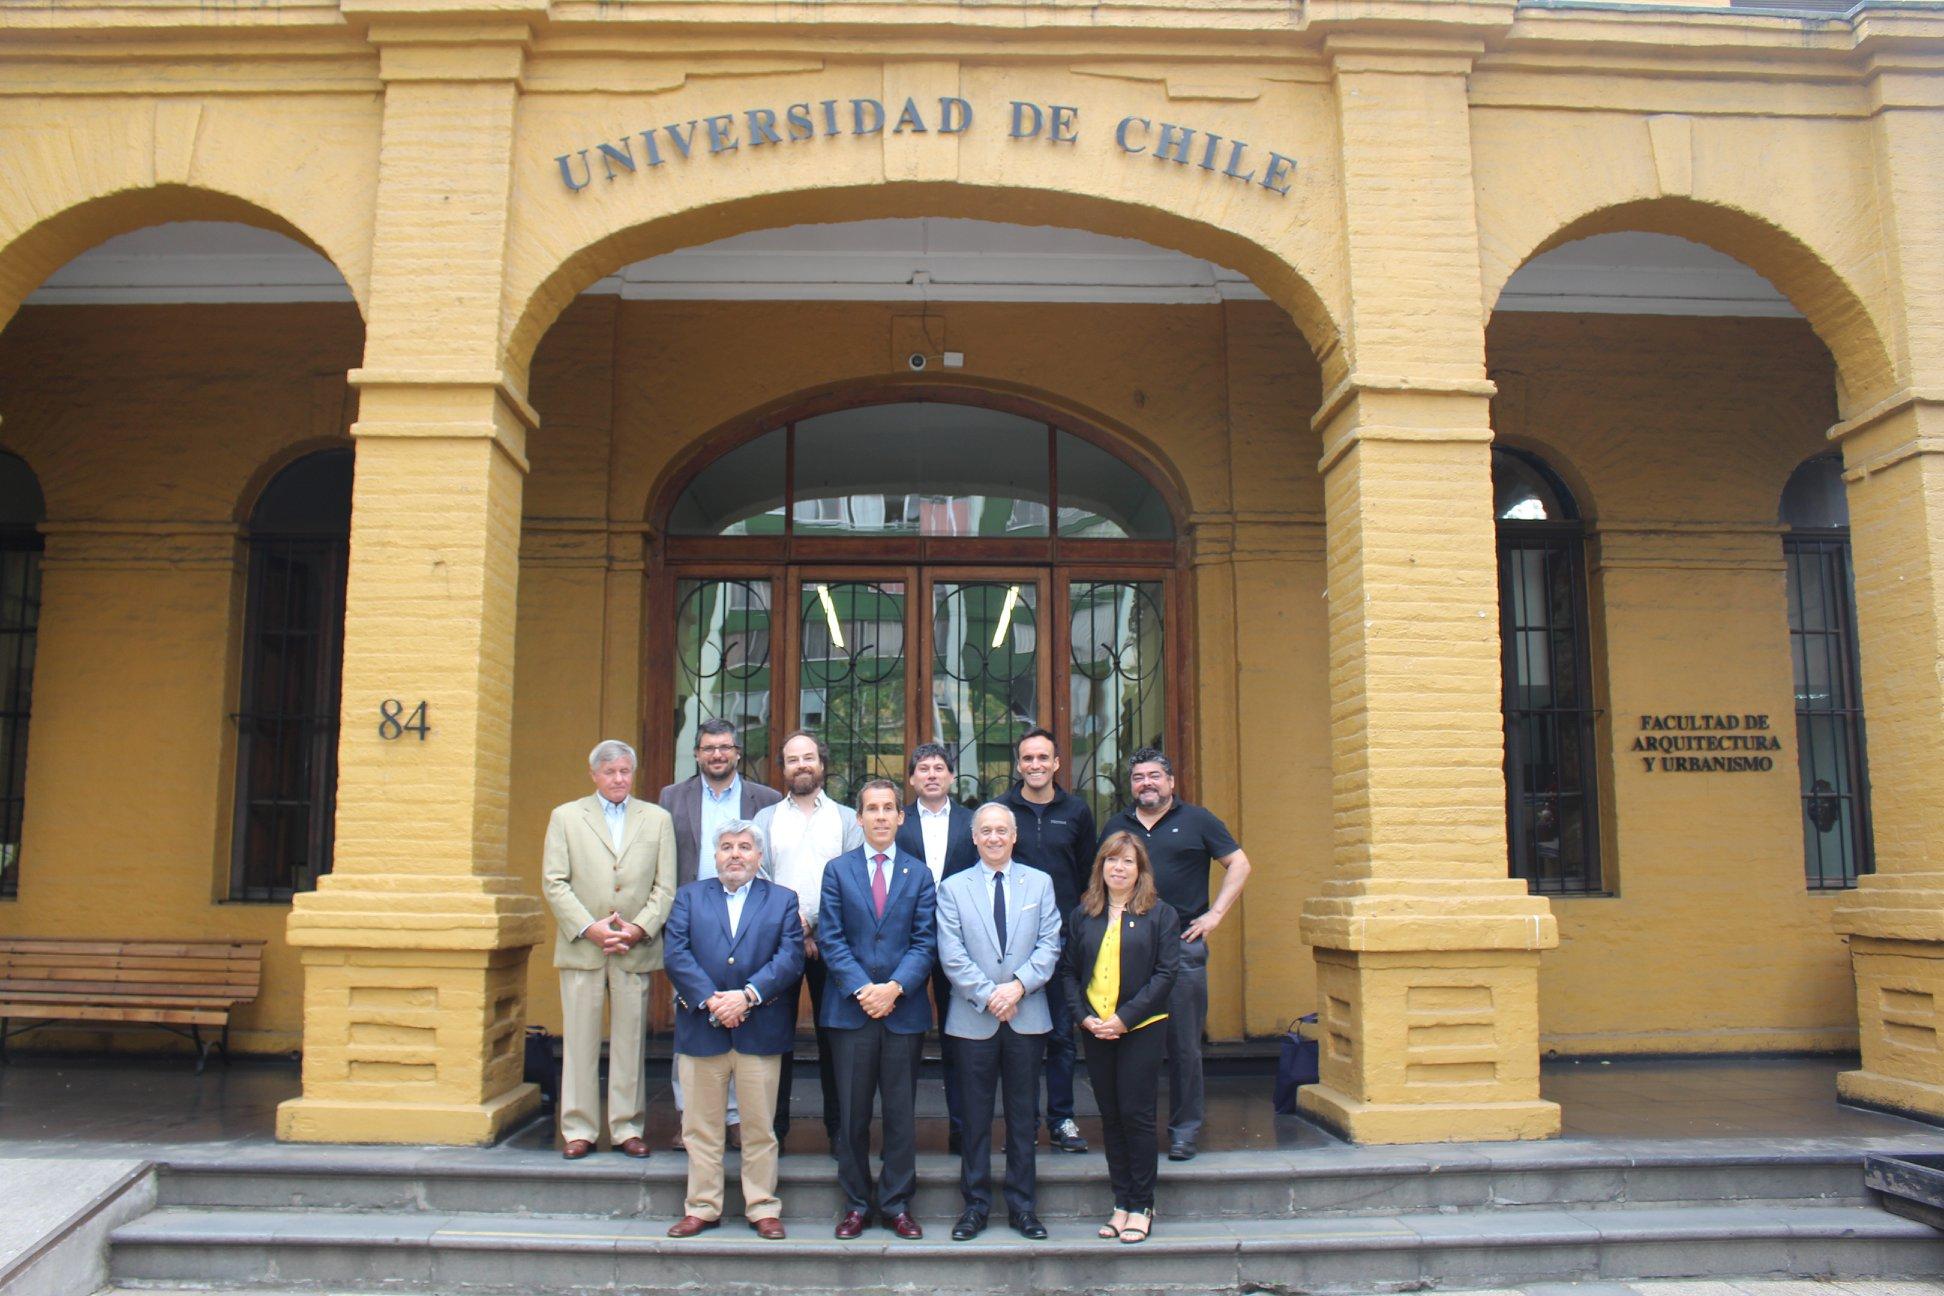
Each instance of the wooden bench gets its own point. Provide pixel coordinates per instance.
(179, 986)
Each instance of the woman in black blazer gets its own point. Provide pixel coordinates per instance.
(1119, 1001)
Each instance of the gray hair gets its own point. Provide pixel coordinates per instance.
(742, 828)
(610, 749)
(999, 806)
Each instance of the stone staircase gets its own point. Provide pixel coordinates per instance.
(1315, 1220)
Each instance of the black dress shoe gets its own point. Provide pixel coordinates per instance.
(1182, 1151)
(970, 1225)
(1027, 1224)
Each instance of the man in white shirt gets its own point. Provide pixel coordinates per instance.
(806, 830)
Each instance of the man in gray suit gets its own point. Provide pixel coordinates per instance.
(714, 795)
(999, 943)
(608, 871)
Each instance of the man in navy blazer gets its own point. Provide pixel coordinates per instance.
(734, 951)
(875, 930)
(938, 830)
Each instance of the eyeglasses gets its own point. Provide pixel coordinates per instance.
(717, 749)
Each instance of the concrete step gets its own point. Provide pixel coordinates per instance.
(429, 1251)
(1256, 1185)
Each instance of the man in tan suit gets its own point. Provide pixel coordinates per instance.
(609, 876)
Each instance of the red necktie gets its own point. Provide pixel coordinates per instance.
(880, 888)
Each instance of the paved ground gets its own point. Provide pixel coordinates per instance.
(48, 1103)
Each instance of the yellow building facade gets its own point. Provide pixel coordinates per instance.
(1332, 561)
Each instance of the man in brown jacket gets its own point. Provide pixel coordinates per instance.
(609, 876)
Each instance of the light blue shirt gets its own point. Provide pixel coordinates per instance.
(716, 811)
(735, 899)
(617, 820)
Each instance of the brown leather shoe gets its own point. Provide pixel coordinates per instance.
(904, 1226)
(690, 1225)
(852, 1225)
(576, 1149)
(770, 1230)
(634, 1147)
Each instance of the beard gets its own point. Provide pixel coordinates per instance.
(804, 782)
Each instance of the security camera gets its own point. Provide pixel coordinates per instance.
(916, 361)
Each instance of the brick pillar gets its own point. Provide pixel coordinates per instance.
(1427, 953)
(1894, 455)
(415, 946)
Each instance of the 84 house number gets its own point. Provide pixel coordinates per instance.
(394, 722)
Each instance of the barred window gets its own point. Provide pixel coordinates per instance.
(1552, 812)
(21, 513)
(293, 652)
(1831, 756)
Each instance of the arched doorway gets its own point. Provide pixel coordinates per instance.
(895, 571)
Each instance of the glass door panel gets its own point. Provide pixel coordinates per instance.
(722, 668)
(1117, 684)
(985, 689)
(851, 676)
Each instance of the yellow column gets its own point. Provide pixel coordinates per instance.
(1427, 953)
(415, 947)
(1893, 454)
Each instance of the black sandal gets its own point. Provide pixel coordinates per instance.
(1110, 1230)
(1131, 1235)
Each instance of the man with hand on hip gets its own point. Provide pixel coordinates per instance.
(875, 931)
(608, 872)
(999, 942)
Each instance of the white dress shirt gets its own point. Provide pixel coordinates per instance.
(799, 847)
(937, 828)
(735, 900)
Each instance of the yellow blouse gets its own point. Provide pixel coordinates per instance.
(1103, 987)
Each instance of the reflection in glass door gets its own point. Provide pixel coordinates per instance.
(1117, 683)
(722, 668)
(851, 677)
(985, 687)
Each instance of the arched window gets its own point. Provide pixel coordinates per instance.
(921, 571)
(21, 513)
(293, 652)
(1552, 811)
(1831, 757)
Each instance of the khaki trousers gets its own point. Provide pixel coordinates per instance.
(705, 1085)
(583, 994)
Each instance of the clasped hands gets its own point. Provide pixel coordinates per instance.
(616, 934)
(728, 1007)
(1004, 1002)
(879, 999)
(1110, 1029)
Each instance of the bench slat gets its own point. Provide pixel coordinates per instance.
(94, 1012)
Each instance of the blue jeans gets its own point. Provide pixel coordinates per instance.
(1059, 1055)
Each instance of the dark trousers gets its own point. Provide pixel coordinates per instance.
(1059, 1055)
(954, 1090)
(1187, 1016)
(873, 1060)
(1126, 1075)
(1008, 1061)
(815, 974)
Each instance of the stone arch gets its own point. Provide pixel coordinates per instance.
(1126, 443)
(34, 252)
(530, 317)
(1865, 367)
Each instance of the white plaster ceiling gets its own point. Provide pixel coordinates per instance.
(932, 259)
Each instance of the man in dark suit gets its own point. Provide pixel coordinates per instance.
(938, 830)
(712, 796)
(875, 930)
(735, 953)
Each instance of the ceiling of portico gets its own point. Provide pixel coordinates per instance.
(918, 260)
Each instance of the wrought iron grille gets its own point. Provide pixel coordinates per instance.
(288, 728)
(20, 597)
(1118, 683)
(985, 679)
(1831, 753)
(851, 679)
(1552, 824)
(722, 668)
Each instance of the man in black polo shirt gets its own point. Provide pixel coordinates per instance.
(1056, 836)
(1180, 840)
